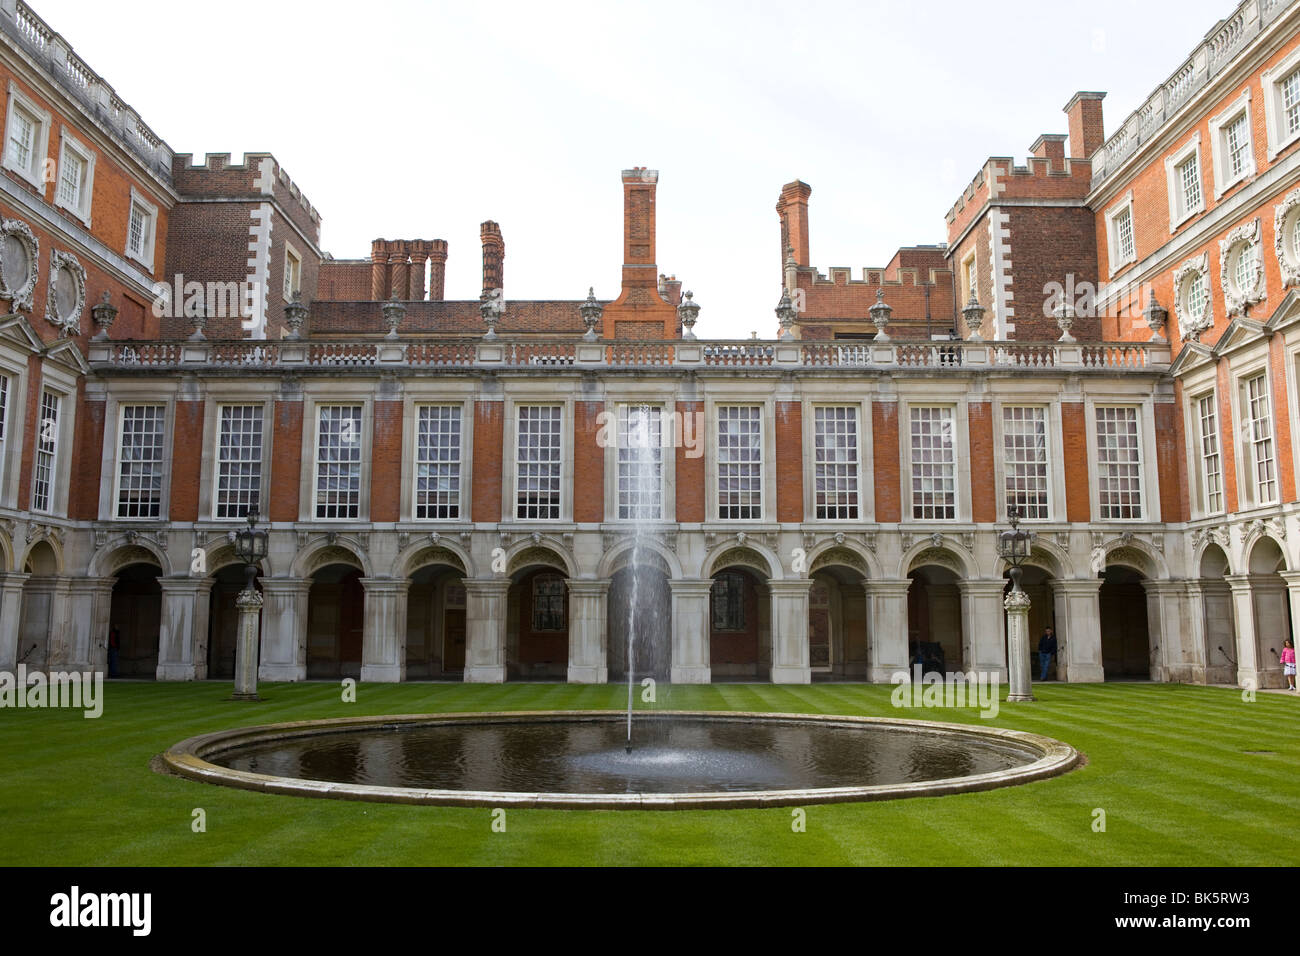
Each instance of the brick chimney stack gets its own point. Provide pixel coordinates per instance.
(398, 269)
(437, 269)
(1086, 130)
(1051, 147)
(792, 207)
(379, 270)
(419, 256)
(494, 254)
(639, 186)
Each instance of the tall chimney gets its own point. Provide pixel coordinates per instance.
(419, 256)
(437, 269)
(398, 271)
(1051, 147)
(639, 271)
(792, 207)
(379, 270)
(494, 254)
(1086, 130)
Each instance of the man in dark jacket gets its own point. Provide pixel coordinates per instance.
(1046, 649)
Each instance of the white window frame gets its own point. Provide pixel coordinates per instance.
(1004, 477)
(1203, 456)
(263, 504)
(1179, 209)
(461, 471)
(291, 255)
(621, 410)
(8, 413)
(363, 484)
(1251, 443)
(970, 279)
(1147, 500)
(1219, 125)
(958, 478)
(146, 256)
(68, 144)
(52, 479)
(856, 463)
(763, 431)
(161, 464)
(1125, 205)
(34, 171)
(1274, 118)
(564, 457)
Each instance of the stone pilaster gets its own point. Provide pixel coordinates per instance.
(91, 601)
(183, 617)
(1249, 671)
(1078, 630)
(588, 637)
(887, 611)
(11, 616)
(790, 664)
(284, 631)
(485, 619)
(690, 632)
(981, 622)
(383, 640)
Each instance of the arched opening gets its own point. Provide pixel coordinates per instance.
(336, 613)
(135, 615)
(1272, 609)
(837, 623)
(223, 619)
(34, 629)
(740, 610)
(435, 624)
(1036, 582)
(1217, 619)
(640, 599)
(935, 637)
(1125, 643)
(537, 624)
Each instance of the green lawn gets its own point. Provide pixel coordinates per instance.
(1166, 763)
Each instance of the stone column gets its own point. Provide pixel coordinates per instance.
(60, 644)
(91, 600)
(1171, 630)
(588, 637)
(887, 640)
(249, 603)
(1016, 604)
(485, 624)
(1271, 628)
(1243, 612)
(789, 625)
(981, 622)
(1216, 629)
(1078, 630)
(11, 616)
(690, 632)
(284, 630)
(383, 638)
(183, 618)
(1292, 579)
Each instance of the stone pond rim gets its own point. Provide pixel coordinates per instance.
(188, 758)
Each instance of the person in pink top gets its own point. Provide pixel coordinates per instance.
(1288, 663)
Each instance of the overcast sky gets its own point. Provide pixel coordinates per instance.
(422, 119)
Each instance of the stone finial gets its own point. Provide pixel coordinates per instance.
(688, 312)
(1155, 315)
(295, 314)
(394, 312)
(1065, 320)
(785, 315)
(973, 313)
(591, 312)
(104, 313)
(880, 314)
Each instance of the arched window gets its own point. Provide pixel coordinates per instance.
(548, 603)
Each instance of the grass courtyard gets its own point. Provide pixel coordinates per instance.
(1169, 765)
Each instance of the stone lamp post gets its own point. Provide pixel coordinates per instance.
(250, 547)
(1013, 545)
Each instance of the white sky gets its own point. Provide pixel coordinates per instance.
(420, 120)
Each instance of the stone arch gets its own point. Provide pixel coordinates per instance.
(1135, 554)
(617, 558)
(221, 554)
(542, 551)
(1212, 561)
(946, 555)
(1259, 560)
(7, 552)
(423, 553)
(321, 553)
(751, 555)
(118, 552)
(847, 553)
(1042, 554)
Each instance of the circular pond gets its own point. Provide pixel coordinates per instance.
(579, 759)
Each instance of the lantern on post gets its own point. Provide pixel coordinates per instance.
(250, 548)
(1013, 547)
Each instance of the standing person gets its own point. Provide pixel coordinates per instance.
(1046, 650)
(1288, 663)
(114, 647)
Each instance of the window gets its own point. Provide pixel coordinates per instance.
(1232, 146)
(934, 464)
(47, 444)
(1192, 303)
(640, 463)
(1195, 294)
(437, 462)
(835, 462)
(1183, 174)
(239, 460)
(26, 138)
(140, 462)
(1281, 86)
(1211, 477)
(538, 462)
(548, 603)
(740, 462)
(338, 461)
(1024, 460)
(292, 273)
(969, 277)
(1119, 463)
(1122, 247)
(140, 230)
(4, 421)
(1259, 433)
(1289, 89)
(727, 601)
(76, 178)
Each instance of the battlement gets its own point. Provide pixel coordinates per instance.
(258, 174)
